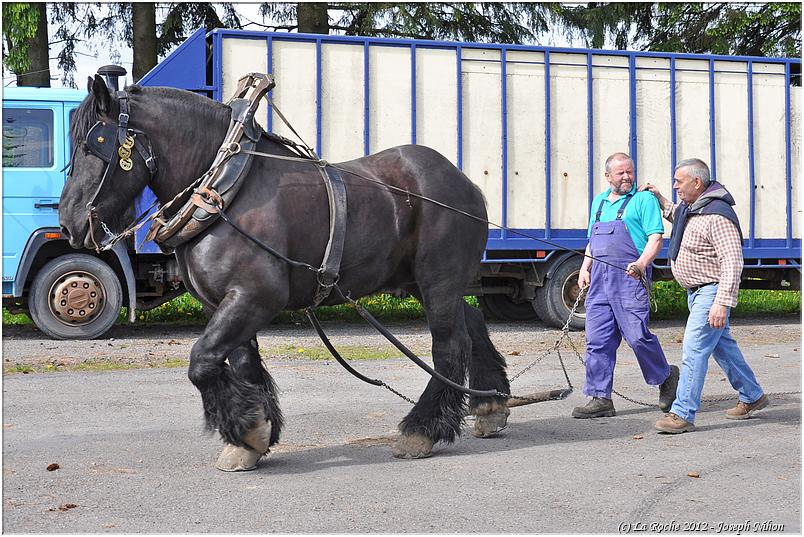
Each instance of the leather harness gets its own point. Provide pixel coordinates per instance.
(221, 183)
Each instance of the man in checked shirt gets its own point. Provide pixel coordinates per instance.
(707, 259)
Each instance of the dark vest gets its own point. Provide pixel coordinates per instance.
(683, 212)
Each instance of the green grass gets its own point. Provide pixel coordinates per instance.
(670, 297)
(671, 300)
(348, 352)
(98, 365)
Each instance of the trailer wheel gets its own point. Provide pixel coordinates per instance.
(555, 299)
(502, 307)
(76, 296)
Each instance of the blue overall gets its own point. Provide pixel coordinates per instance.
(617, 307)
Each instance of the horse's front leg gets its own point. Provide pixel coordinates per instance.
(245, 362)
(238, 402)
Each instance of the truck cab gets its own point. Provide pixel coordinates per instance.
(69, 294)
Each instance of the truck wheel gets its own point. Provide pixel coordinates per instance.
(76, 296)
(555, 299)
(502, 307)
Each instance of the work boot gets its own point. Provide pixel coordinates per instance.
(743, 411)
(667, 389)
(673, 424)
(597, 407)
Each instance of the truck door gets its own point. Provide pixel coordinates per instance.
(34, 153)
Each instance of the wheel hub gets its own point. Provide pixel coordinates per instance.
(76, 298)
(570, 292)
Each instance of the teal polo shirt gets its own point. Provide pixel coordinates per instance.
(642, 216)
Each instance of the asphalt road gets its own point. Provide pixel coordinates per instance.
(133, 457)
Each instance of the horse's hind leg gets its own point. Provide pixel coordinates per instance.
(486, 372)
(245, 362)
(438, 414)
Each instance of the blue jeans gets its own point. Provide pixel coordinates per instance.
(702, 341)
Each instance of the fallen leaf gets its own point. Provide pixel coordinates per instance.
(52, 467)
(693, 474)
(679, 340)
(771, 355)
(638, 437)
(110, 525)
(514, 353)
(66, 506)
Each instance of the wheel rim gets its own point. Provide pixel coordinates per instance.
(76, 298)
(569, 294)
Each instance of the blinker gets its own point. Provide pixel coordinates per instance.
(99, 140)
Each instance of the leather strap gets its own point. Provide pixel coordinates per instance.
(331, 264)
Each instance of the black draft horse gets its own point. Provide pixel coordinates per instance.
(393, 244)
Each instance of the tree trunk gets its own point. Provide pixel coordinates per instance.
(38, 74)
(312, 17)
(144, 30)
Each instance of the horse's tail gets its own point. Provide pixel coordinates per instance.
(487, 366)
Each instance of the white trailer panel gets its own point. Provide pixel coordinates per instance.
(351, 96)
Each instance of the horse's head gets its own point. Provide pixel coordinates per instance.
(112, 162)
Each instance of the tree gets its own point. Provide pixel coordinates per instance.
(752, 29)
(25, 51)
(313, 17)
(144, 40)
(465, 21)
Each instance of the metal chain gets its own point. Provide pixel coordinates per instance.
(557, 348)
(393, 391)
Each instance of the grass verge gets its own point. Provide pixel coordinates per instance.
(671, 301)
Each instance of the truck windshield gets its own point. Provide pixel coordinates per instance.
(27, 138)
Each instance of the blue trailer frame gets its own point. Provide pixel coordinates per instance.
(185, 68)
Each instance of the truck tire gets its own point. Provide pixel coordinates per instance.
(555, 299)
(502, 307)
(76, 296)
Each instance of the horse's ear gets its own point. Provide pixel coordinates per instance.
(90, 80)
(101, 93)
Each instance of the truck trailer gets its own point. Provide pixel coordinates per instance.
(531, 126)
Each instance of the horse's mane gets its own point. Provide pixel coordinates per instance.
(85, 115)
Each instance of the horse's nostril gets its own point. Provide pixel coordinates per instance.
(65, 232)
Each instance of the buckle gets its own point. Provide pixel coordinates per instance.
(123, 117)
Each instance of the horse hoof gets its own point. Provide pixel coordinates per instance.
(259, 436)
(412, 446)
(237, 459)
(490, 419)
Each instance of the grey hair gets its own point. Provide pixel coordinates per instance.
(697, 168)
(617, 156)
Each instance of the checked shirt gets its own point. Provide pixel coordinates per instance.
(711, 251)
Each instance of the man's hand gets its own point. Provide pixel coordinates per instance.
(717, 316)
(584, 277)
(650, 188)
(635, 270)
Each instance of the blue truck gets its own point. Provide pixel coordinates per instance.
(529, 125)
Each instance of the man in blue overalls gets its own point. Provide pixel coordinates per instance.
(625, 235)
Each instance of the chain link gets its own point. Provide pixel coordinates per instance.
(393, 391)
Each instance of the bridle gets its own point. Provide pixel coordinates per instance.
(115, 145)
